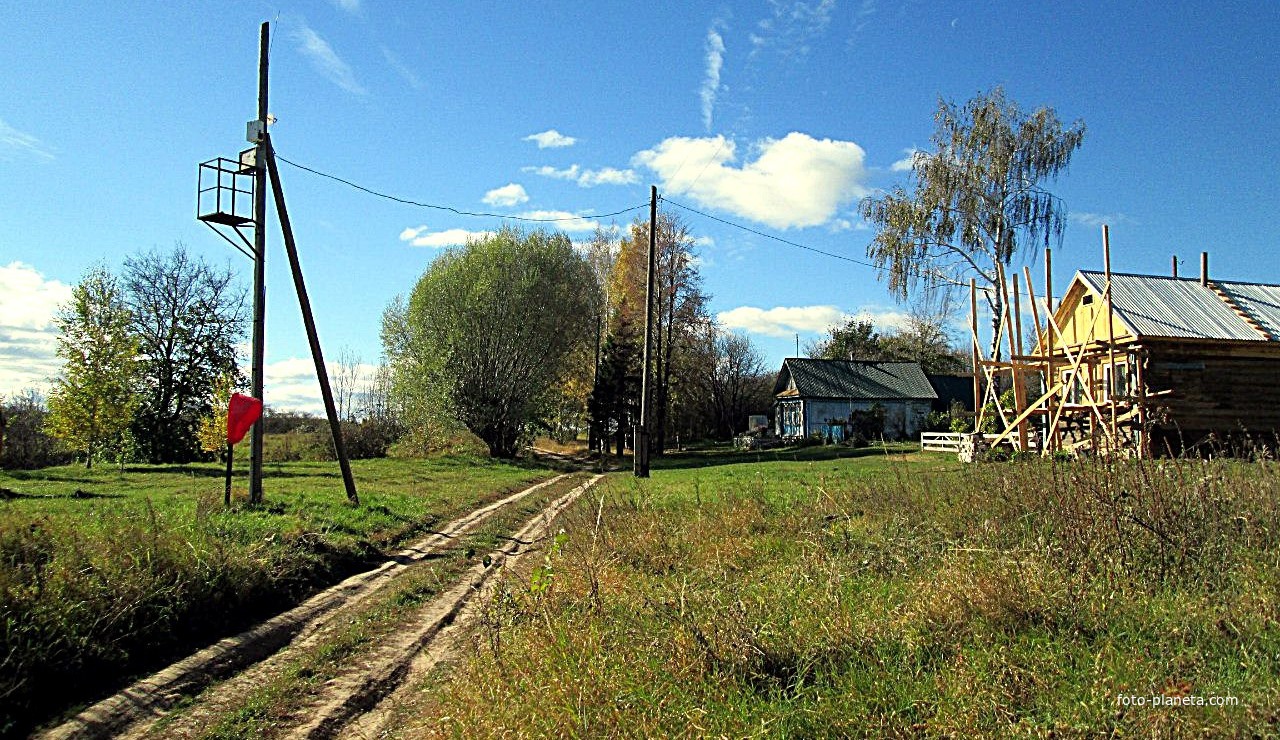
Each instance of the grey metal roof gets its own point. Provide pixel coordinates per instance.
(1262, 302)
(855, 379)
(1157, 306)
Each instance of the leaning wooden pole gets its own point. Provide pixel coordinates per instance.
(309, 322)
(1042, 349)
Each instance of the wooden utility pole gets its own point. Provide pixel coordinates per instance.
(326, 393)
(259, 264)
(640, 461)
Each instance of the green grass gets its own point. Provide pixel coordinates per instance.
(889, 595)
(107, 574)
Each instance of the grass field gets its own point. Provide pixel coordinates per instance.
(107, 574)
(795, 595)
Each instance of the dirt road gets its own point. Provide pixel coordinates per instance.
(323, 668)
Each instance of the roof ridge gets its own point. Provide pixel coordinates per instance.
(1180, 278)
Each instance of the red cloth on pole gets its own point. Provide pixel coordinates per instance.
(241, 413)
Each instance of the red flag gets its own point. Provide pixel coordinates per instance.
(241, 413)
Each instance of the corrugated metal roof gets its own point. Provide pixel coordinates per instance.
(855, 379)
(1262, 302)
(1157, 306)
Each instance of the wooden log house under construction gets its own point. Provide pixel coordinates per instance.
(1137, 364)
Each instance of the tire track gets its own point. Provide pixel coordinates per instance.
(131, 711)
(354, 704)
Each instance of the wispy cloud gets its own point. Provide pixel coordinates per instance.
(711, 79)
(351, 6)
(863, 16)
(325, 60)
(422, 236)
(905, 164)
(13, 141)
(28, 338)
(587, 178)
(563, 220)
(1085, 218)
(511, 194)
(551, 139)
(794, 181)
(792, 26)
(401, 69)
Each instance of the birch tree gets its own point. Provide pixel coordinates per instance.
(979, 199)
(92, 402)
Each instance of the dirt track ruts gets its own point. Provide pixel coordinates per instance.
(131, 711)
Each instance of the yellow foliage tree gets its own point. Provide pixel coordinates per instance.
(213, 428)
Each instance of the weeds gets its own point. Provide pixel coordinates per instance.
(899, 596)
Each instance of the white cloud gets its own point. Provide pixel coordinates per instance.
(291, 385)
(794, 181)
(905, 164)
(13, 141)
(351, 6)
(563, 220)
(711, 80)
(587, 178)
(781, 321)
(786, 321)
(401, 69)
(551, 139)
(28, 338)
(511, 194)
(1085, 218)
(423, 237)
(607, 176)
(326, 60)
(568, 173)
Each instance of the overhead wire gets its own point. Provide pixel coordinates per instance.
(767, 235)
(484, 214)
(451, 209)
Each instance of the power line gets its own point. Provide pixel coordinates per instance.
(769, 236)
(934, 274)
(478, 214)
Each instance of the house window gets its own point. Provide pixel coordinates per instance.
(1116, 381)
(1073, 387)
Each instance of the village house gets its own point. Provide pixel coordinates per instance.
(814, 396)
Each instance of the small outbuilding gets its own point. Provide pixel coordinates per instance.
(814, 396)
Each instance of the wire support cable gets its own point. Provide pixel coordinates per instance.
(451, 209)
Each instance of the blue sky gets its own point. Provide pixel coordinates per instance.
(776, 115)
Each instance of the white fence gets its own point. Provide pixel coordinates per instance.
(950, 441)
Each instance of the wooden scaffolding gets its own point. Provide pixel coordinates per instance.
(1071, 393)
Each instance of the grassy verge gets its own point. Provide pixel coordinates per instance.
(890, 595)
(107, 574)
